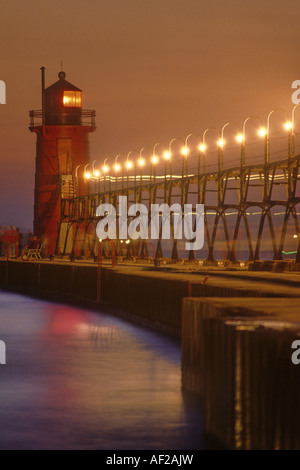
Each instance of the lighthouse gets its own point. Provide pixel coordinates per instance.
(62, 130)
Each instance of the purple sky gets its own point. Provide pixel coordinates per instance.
(152, 70)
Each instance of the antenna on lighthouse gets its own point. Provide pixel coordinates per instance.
(43, 94)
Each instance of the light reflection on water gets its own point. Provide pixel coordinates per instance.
(79, 379)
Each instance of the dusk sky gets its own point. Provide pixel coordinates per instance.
(152, 70)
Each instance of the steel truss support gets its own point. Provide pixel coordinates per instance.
(216, 191)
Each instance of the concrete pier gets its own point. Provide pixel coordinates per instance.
(237, 355)
(151, 296)
(236, 330)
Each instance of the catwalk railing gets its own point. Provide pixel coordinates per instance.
(87, 118)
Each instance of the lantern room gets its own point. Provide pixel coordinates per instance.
(63, 102)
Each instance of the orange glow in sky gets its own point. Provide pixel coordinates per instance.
(152, 70)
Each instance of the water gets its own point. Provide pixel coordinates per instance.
(79, 379)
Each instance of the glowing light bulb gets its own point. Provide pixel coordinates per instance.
(288, 126)
(240, 138)
(202, 147)
(167, 155)
(185, 151)
(154, 159)
(262, 132)
(221, 143)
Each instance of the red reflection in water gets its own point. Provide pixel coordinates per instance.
(64, 320)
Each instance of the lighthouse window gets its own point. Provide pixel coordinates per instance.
(72, 99)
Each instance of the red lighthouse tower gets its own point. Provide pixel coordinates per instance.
(62, 128)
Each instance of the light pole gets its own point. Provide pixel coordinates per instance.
(97, 174)
(221, 142)
(141, 162)
(154, 159)
(288, 128)
(85, 168)
(77, 179)
(170, 153)
(242, 138)
(87, 177)
(267, 137)
(128, 165)
(185, 151)
(293, 129)
(117, 168)
(105, 169)
(202, 147)
(167, 156)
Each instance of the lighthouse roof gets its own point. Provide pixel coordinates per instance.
(62, 84)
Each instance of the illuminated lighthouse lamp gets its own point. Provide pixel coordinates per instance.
(72, 99)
